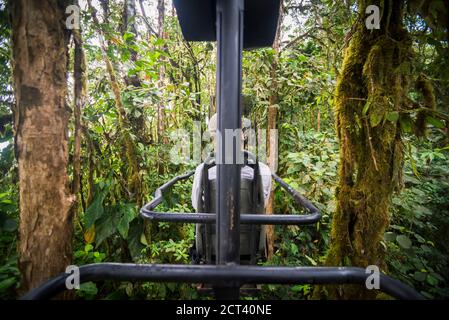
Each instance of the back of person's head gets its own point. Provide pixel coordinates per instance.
(213, 128)
(213, 124)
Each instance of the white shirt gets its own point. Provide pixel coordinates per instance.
(246, 172)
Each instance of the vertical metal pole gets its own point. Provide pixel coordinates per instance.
(229, 75)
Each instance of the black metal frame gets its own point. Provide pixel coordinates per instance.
(227, 276)
(148, 210)
(235, 275)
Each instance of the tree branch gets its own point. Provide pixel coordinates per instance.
(145, 19)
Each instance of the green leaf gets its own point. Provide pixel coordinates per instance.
(143, 239)
(7, 283)
(10, 225)
(137, 113)
(406, 123)
(294, 248)
(302, 58)
(358, 121)
(105, 227)
(389, 236)
(436, 275)
(88, 288)
(127, 215)
(404, 241)
(128, 35)
(374, 119)
(366, 107)
(437, 123)
(4, 195)
(134, 233)
(313, 262)
(392, 116)
(412, 160)
(423, 210)
(298, 288)
(411, 179)
(420, 276)
(94, 212)
(432, 280)
(159, 42)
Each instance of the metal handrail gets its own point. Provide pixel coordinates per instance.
(148, 210)
(218, 274)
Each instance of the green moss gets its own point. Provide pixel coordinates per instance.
(371, 86)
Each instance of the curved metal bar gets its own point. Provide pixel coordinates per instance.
(262, 219)
(299, 199)
(237, 274)
(159, 193)
(147, 211)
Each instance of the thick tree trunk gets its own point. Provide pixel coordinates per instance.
(372, 85)
(272, 144)
(39, 43)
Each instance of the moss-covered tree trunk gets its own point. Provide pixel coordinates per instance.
(134, 180)
(369, 96)
(138, 123)
(39, 41)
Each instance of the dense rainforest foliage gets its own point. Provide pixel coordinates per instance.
(362, 124)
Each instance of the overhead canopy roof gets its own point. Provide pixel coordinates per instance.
(197, 19)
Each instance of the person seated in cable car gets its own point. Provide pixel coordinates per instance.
(246, 172)
(254, 193)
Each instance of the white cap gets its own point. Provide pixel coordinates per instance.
(246, 123)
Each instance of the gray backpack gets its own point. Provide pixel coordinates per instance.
(252, 237)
